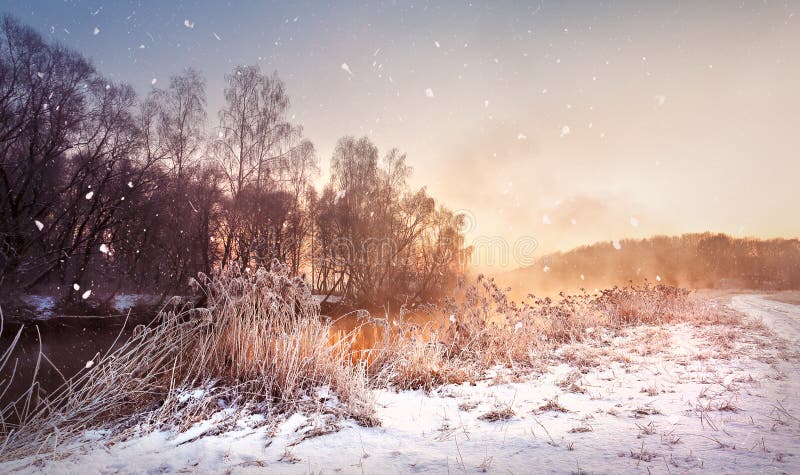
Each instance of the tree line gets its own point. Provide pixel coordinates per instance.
(699, 260)
(103, 191)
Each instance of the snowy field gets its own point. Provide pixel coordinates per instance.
(653, 400)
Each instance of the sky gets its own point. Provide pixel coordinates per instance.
(554, 123)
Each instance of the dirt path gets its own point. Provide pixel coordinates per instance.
(782, 318)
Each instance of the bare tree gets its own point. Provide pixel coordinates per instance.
(182, 118)
(99, 191)
(65, 137)
(376, 240)
(255, 145)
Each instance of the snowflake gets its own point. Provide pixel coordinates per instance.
(634, 222)
(38, 224)
(188, 24)
(89, 364)
(346, 68)
(103, 248)
(564, 131)
(96, 31)
(616, 245)
(154, 81)
(76, 286)
(545, 219)
(429, 93)
(86, 294)
(89, 195)
(521, 136)
(658, 278)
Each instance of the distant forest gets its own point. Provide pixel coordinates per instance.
(102, 191)
(701, 261)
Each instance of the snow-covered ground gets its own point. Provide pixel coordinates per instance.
(670, 400)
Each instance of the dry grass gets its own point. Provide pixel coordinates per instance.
(571, 382)
(265, 335)
(261, 345)
(551, 405)
(484, 328)
(499, 413)
(259, 342)
(412, 358)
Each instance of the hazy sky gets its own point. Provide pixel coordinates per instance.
(570, 122)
